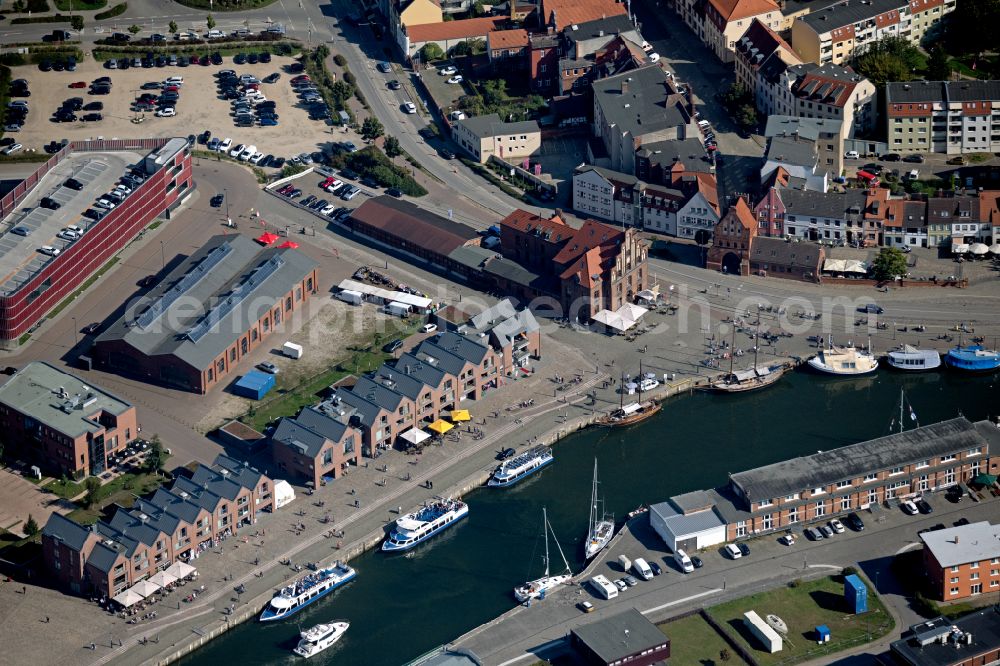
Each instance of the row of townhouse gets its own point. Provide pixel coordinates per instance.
(783, 85)
(838, 32)
(407, 393)
(872, 218)
(685, 204)
(788, 494)
(951, 117)
(171, 525)
(720, 23)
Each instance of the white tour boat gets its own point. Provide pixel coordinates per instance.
(537, 589)
(310, 588)
(425, 522)
(511, 471)
(318, 638)
(844, 361)
(911, 359)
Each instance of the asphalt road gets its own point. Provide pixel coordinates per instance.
(530, 632)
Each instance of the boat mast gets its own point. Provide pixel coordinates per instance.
(640, 382)
(621, 406)
(593, 500)
(901, 410)
(545, 529)
(756, 344)
(732, 352)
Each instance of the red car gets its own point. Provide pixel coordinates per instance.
(170, 89)
(78, 84)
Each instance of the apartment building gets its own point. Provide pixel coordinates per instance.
(169, 526)
(827, 135)
(855, 216)
(797, 157)
(970, 640)
(830, 483)
(60, 423)
(964, 561)
(314, 447)
(951, 117)
(759, 51)
(838, 32)
(826, 91)
(485, 136)
(726, 21)
(635, 108)
(939, 221)
(508, 49)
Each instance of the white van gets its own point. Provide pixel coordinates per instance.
(175, 81)
(683, 561)
(641, 569)
(852, 155)
(215, 34)
(913, 175)
(603, 587)
(624, 563)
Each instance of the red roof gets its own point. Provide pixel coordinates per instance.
(508, 39)
(743, 213)
(449, 30)
(734, 10)
(574, 12)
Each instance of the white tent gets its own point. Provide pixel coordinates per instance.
(995, 249)
(128, 598)
(162, 578)
(979, 248)
(960, 248)
(834, 265)
(414, 436)
(145, 588)
(283, 493)
(180, 569)
(621, 319)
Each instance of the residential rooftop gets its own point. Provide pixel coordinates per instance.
(963, 544)
(977, 633)
(848, 13)
(59, 400)
(490, 125)
(942, 91)
(620, 635)
(640, 101)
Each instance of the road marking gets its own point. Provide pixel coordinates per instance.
(909, 546)
(532, 655)
(706, 593)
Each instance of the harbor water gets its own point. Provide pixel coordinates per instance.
(400, 606)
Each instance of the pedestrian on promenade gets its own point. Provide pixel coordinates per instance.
(46, 619)
(93, 646)
(24, 589)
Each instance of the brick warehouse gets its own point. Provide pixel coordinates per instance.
(32, 284)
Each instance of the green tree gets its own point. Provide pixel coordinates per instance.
(92, 484)
(478, 9)
(342, 91)
(746, 116)
(172, 27)
(340, 60)
(210, 22)
(889, 59)
(371, 129)
(30, 526)
(135, 29)
(76, 22)
(938, 65)
(157, 456)
(889, 263)
(431, 52)
(391, 147)
(322, 52)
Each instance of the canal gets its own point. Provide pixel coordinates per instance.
(403, 605)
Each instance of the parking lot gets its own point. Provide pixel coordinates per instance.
(198, 108)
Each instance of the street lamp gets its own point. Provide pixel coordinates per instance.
(76, 333)
(163, 258)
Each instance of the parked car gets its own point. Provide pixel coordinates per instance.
(217, 200)
(586, 607)
(385, 67)
(837, 526)
(855, 522)
(733, 551)
(393, 346)
(49, 250)
(923, 507)
(456, 79)
(73, 184)
(915, 158)
(909, 508)
(429, 327)
(268, 367)
(787, 539)
(891, 157)
(20, 230)
(448, 71)
(656, 568)
(813, 534)
(630, 580)
(825, 531)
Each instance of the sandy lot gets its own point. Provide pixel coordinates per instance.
(199, 108)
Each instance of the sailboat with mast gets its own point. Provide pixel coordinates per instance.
(752, 379)
(537, 589)
(633, 412)
(601, 526)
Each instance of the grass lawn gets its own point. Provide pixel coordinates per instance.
(66, 489)
(694, 641)
(803, 607)
(309, 390)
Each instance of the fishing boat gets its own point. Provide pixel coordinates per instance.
(751, 379)
(633, 412)
(318, 638)
(513, 470)
(844, 361)
(912, 359)
(538, 588)
(309, 589)
(974, 358)
(600, 527)
(422, 524)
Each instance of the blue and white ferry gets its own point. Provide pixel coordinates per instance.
(291, 599)
(511, 471)
(422, 524)
(973, 358)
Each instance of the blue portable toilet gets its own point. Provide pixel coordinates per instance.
(855, 594)
(822, 634)
(254, 385)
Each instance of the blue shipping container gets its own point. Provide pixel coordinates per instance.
(855, 594)
(254, 385)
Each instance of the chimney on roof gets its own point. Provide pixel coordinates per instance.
(956, 539)
(625, 84)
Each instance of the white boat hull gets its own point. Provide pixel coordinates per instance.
(543, 586)
(310, 647)
(862, 366)
(598, 541)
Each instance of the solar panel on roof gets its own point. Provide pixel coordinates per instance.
(186, 283)
(237, 296)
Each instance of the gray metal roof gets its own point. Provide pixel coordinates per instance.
(63, 529)
(511, 270)
(848, 13)
(494, 314)
(349, 407)
(941, 91)
(464, 347)
(608, 27)
(808, 128)
(982, 627)
(507, 330)
(648, 105)
(850, 462)
(490, 125)
(381, 395)
(963, 544)
(409, 371)
(807, 203)
(103, 556)
(210, 300)
(35, 391)
(609, 174)
(620, 635)
(687, 151)
(686, 524)
(797, 150)
(324, 424)
(240, 471)
(472, 256)
(295, 435)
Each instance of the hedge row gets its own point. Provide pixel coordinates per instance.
(55, 18)
(275, 48)
(116, 10)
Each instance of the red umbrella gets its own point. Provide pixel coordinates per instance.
(288, 245)
(267, 238)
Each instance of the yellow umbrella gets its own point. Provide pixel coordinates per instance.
(440, 427)
(458, 415)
